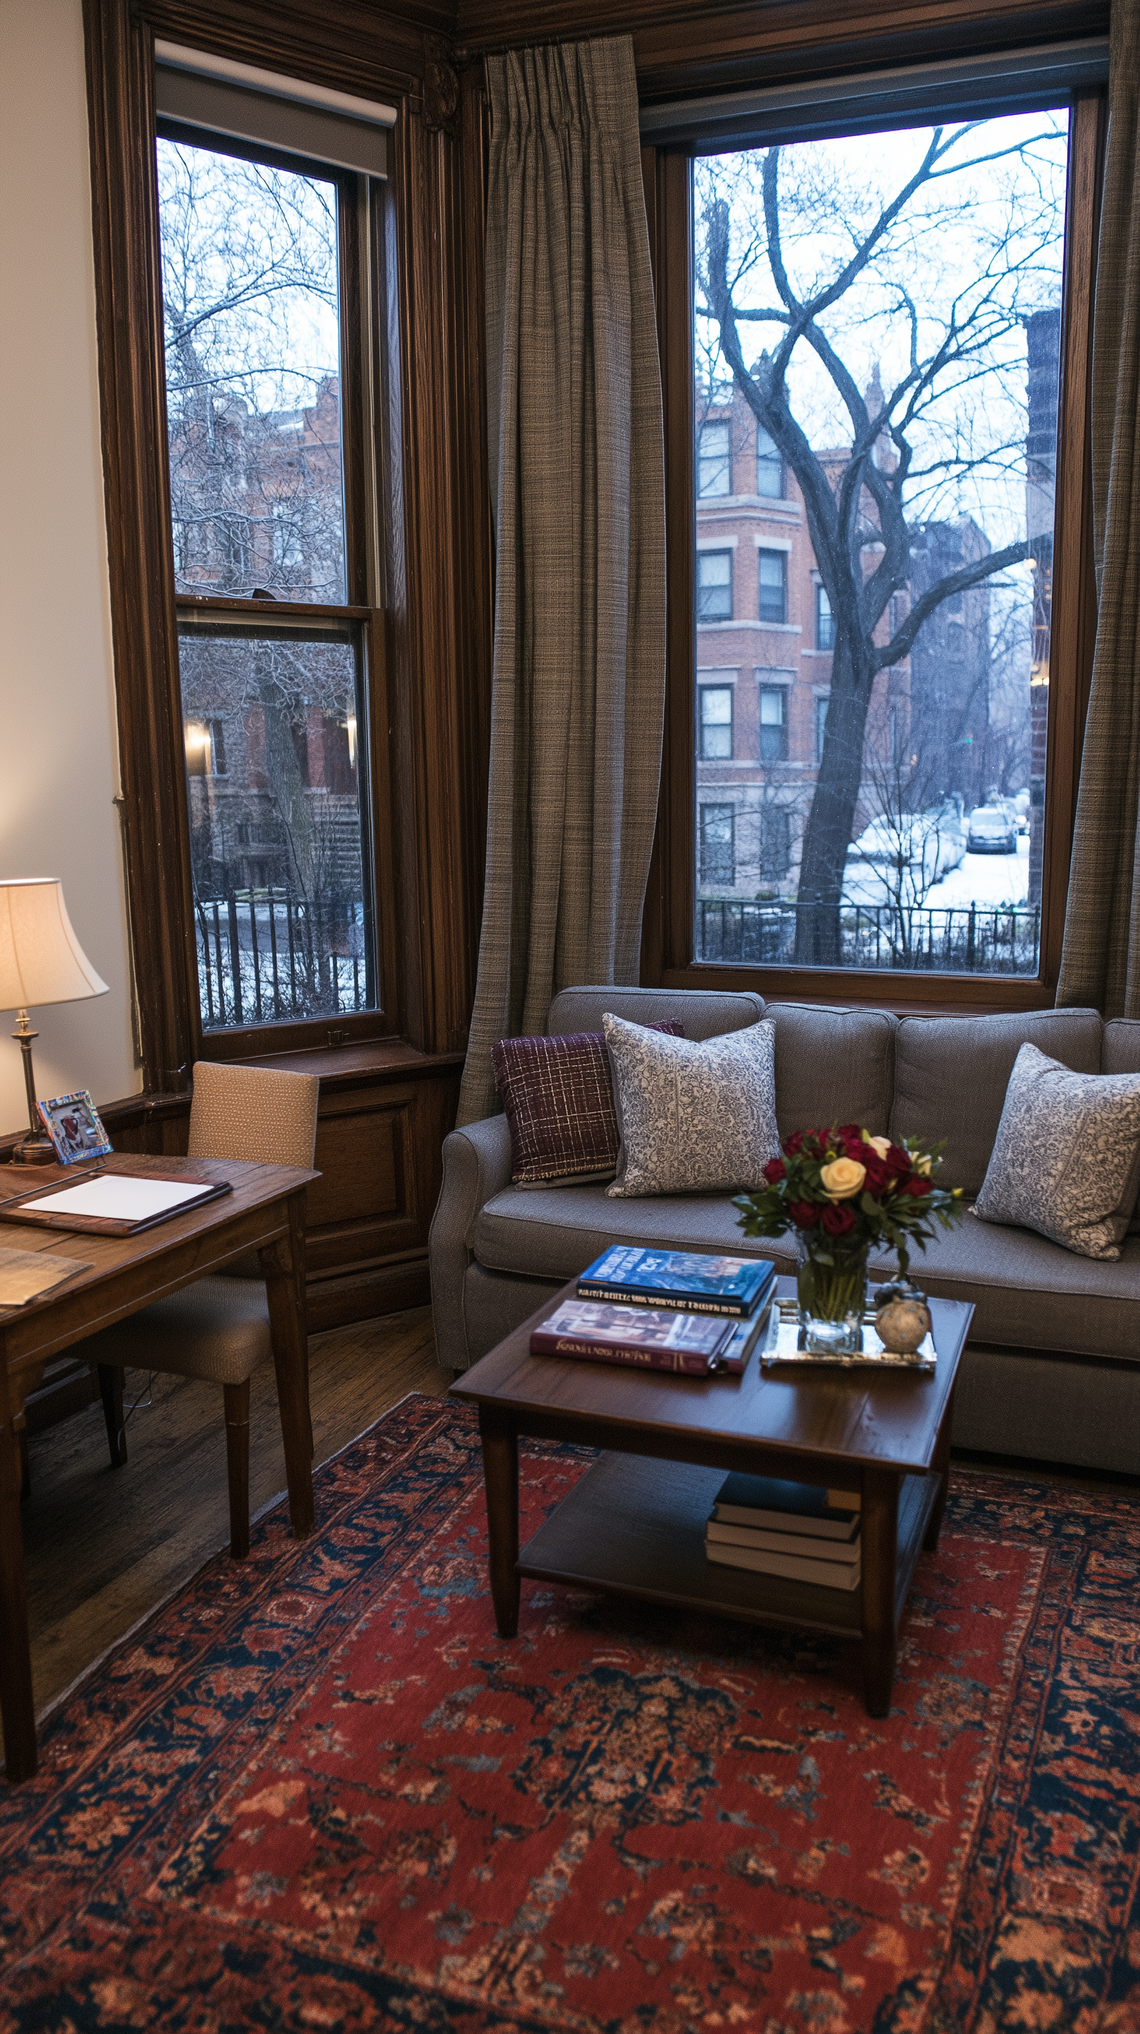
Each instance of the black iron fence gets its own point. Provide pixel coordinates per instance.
(264, 955)
(974, 939)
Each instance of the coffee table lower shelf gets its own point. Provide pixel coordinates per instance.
(635, 1526)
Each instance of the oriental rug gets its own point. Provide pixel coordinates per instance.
(315, 1791)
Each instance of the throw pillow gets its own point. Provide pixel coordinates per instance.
(559, 1105)
(1066, 1161)
(696, 1116)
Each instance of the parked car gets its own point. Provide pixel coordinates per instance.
(896, 860)
(992, 831)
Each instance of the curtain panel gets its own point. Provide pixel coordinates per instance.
(575, 429)
(1100, 963)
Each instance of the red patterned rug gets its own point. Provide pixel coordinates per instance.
(317, 1792)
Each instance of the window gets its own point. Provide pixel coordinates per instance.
(824, 628)
(718, 845)
(773, 572)
(714, 460)
(775, 843)
(769, 466)
(716, 722)
(773, 724)
(273, 660)
(714, 586)
(946, 510)
(821, 705)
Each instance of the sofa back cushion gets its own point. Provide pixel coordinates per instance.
(951, 1076)
(704, 1013)
(833, 1066)
(1120, 1046)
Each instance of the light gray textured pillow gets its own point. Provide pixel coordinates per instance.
(1066, 1160)
(695, 1115)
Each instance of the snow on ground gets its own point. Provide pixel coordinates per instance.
(984, 879)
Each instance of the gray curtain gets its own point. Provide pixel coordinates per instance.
(575, 429)
(1101, 959)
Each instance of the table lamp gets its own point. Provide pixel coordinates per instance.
(41, 961)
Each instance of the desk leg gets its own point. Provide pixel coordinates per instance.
(284, 1266)
(879, 1534)
(501, 1478)
(16, 1706)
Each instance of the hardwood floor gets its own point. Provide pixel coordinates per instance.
(103, 1546)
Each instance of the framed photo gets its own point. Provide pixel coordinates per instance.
(72, 1123)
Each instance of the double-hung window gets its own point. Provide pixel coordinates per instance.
(267, 361)
(714, 586)
(716, 723)
(773, 576)
(714, 460)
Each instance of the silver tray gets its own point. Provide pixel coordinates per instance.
(781, 1347)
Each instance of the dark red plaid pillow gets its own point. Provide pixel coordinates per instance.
(559, 1104)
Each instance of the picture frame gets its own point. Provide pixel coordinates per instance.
(72, 1122)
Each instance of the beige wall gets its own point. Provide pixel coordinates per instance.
(58, 758)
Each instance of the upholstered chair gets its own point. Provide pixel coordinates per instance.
(218, 1328)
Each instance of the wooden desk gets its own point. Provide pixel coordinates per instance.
(265, 1212)
(630, 1528)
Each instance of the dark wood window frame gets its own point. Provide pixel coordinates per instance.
(668, 936)
(427, 622)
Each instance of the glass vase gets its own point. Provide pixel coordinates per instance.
(831, 1282)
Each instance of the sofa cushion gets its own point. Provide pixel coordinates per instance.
(1120, 1046)
(1067, 1157)
(558, 1100)
(554, 1233)
(693, 1115)
(1029, 1293)
(833, 1066)
(704, 1013)
(951, 1075)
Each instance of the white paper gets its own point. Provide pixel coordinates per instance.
(119, 1198)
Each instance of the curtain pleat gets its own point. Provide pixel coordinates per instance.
(575, 431)
(1101, 958)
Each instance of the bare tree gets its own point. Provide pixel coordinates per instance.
(811, 249)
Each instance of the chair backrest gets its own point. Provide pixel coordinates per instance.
(252, 1113)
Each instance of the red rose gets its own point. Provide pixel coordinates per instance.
(838, 1219)
(794, 1144)
(775, 1171)
(804, 1214)
(917, 1184)
(898, 1161)
(875, 1169)
(850, 1133)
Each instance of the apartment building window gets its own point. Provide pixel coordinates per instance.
(773, 723)
(900, 494)
(769, 466)
(775, 843)
(715, 703)
(714, 586)
(824, 626)
(718, 845)
(260, 248)
(773, 573)
(714, 460)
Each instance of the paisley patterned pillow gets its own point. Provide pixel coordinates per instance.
(1066, 1160)
(695, 1116)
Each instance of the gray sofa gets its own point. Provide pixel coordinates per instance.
(1052, 1369)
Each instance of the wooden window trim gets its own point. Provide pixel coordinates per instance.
(667, 939)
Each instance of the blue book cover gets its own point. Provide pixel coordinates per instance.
(688, 1280)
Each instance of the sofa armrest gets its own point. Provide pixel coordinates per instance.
(476, 1164)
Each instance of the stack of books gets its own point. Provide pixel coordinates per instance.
(798, 1530)
(662, 1310)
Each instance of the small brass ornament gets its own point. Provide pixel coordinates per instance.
(903, 1321)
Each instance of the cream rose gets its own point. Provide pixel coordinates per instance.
(842, 1178)
(923, 1165)
(880, 1144)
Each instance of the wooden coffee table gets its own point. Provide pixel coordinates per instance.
(636, 1528)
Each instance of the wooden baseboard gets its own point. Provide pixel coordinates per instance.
(361, 1295)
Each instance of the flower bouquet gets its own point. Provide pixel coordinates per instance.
(840, 1191)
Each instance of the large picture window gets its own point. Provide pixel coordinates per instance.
(889, 311)
(273, 656)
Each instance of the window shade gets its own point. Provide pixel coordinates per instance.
(278, 112)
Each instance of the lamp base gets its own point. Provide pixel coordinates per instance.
(34, 1151)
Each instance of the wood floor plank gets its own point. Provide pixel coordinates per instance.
(103, 1546)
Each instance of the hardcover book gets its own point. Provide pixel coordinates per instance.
(684, 1279)
(657, 1340)
(762, 1540)
(789, 1507)
(824, 1574)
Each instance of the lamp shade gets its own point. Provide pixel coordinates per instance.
(41, 961)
